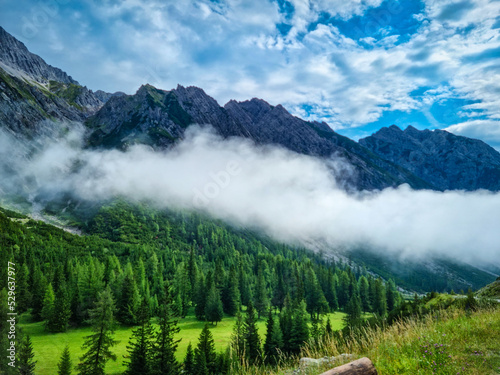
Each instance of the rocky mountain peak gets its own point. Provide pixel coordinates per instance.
(445, 160)
(15, 55)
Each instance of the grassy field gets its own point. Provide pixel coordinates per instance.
(448, 342)
(49, 346)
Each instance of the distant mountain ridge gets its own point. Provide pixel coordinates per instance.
(445, 160)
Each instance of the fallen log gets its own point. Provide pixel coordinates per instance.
(361, 366)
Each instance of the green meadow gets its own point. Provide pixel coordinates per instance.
(49, 346)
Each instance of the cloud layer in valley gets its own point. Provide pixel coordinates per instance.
(293, 198)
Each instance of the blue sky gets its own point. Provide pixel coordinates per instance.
(357, 64)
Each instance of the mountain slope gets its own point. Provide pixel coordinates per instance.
(445, 160)
(33, 91)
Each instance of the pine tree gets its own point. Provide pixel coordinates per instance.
(164, 361)
(59, 320)
(213, 306)
(261, 298)
(316, 301)
(392, 295)
(99, 343)
(251, 335)
(128, 301)
(205, 356)
(274, 340)
(23, 293)
(353, 311)
(238, 337)
(286, 322)
(331, 292)
(140, 346)
(279, 293)
(26, 363)
(300, 330)
(328, 328)
(200, 298)
(364, 293)
(189, 368)
(380, 305)
(231, 300)
(65, 364)
(38, 287)
(48, 305)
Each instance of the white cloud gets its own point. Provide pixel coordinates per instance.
(292, 197)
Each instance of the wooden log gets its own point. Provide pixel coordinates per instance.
(361, 366)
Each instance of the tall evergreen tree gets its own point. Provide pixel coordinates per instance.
(48, 305)
(189, 367)
(380, 304)
(128, 300)
(205, 354)
(140, 346)
(231, 300)
(364, 293)
(261, 298)
(99, 344)
(213, 305)
(251, 335)
(65, 365)
(200, 298)
(26, 363)
(299, 334)
(59, 320)
(274, 340)
(353, 311)
(164, 361)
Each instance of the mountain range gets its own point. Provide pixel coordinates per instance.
(34, 94)
(32, 91)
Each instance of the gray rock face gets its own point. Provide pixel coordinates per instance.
(32, 91)
(275, 125)
(15, 54)
(442, 159)
(23, 107)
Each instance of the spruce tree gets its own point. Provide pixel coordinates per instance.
(48, 305)
(213, 307)
(26, 363)
(164, 361)
(98, 344)
(261, 298)
(238, 337)
(205, 356)
(62, 310)
(128, 300)
(65, 365)
(231, 300)
(300, 330)
(189, 368)
(364, 293)
(274, 340)
(353, 311)
(140, 347)
(286, 321)
(380, 305)
(251, 335)
(200, 298)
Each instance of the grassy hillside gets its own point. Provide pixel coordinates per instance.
(446, 343)
(491, 290)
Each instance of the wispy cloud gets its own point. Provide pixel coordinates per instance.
(291, 197)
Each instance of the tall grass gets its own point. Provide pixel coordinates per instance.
(444, 342)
